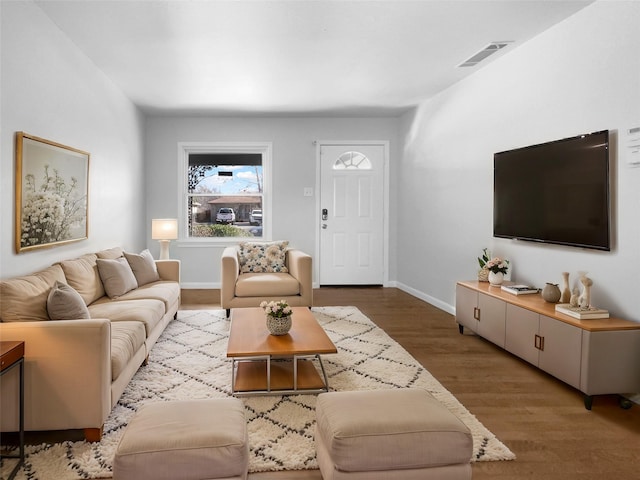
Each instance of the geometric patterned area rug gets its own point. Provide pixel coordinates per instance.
(189, 362)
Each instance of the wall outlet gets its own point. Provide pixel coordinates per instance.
(308, 192)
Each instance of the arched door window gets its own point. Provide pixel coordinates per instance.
(352, 161)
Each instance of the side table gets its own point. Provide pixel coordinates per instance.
(11, 356)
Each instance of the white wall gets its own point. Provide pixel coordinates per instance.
(52, 90)
(582, 75)
(294, 167)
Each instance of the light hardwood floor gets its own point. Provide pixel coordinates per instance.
(542, 420)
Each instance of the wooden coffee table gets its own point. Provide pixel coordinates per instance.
(265, 364)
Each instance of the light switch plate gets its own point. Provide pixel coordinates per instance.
(633, 147)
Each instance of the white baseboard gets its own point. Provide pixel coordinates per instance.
(427, 298)
(392, 284)
(199, 285)
(208, 285)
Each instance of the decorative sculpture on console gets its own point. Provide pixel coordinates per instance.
(574, 297)
(580, 306)
(584, 301)
(566, 293)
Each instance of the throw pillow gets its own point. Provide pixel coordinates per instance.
(64, 303)
(117, 276)
(263, 257)
(111, 253)
(24, 299)
(143, 266)
(82, 275)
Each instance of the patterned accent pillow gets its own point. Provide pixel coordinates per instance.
(263, 257)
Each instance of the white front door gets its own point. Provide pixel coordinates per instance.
(352, 214)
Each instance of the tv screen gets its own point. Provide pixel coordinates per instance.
(555, 192)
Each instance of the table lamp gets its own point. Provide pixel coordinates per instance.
(164, 230)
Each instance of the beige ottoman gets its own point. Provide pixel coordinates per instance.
(390, 434)
(186, 440)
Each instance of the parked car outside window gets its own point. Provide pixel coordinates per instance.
(226, 215)
(255, 218)
(227, 175)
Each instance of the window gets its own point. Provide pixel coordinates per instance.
(226, 185)
(352, 161)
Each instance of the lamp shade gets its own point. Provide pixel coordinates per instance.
(164, 228)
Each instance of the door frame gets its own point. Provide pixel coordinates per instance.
(385, 201)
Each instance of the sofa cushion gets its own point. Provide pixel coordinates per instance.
(126, 340)
(64, 303)
(149, 312)
(266, 285)
(82, 274)
(117, 276)
(260, 257)
(24, 299)
(167, 292)
(143, 267)
(110, 253)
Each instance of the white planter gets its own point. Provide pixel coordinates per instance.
(496, 278)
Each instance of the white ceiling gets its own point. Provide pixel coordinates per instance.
(293, 57)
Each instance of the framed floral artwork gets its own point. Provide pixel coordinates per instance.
(52, 193)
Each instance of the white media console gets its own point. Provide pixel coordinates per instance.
(599, 356)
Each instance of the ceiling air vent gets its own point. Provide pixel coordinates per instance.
(490, 49)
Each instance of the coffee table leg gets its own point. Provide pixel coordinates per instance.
(268, 362)
(295, 373)
(324, 373)
(233, 375)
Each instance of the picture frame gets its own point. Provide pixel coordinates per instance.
(52, 193)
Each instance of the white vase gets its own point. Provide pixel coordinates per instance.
(496, 278)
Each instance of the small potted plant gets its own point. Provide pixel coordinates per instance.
(278, 316)
(497, 268)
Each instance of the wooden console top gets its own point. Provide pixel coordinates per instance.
(535, 303)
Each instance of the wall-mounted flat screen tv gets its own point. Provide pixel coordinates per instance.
(556, 192)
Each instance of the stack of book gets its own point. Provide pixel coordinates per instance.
(519, 289)
(582, 313)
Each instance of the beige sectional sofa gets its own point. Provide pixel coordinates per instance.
(77, 368)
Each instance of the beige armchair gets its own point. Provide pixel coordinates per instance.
(249, 289)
